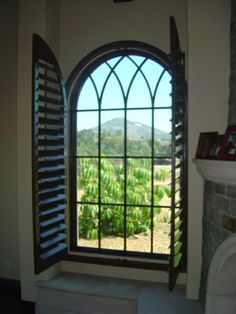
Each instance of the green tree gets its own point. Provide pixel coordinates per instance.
(138, 187)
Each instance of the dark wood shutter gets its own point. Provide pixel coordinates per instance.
(48, 158)
(179, 159)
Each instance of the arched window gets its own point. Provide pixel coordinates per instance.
(121, 163)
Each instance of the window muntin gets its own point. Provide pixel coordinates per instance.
(120, 146)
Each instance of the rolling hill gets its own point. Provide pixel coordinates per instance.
(136, 130)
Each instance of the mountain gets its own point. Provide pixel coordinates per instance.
(136, 130)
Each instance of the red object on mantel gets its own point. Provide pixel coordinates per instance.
(228, 146)
(208, 145)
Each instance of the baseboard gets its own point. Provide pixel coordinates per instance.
(9, 283)
(27, 307)
(13, 286)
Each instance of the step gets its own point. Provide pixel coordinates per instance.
(69, 293)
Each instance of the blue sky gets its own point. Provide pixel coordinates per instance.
(138, 96)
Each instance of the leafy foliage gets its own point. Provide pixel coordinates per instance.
(112, 186)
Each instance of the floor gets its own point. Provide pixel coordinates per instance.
(158, 300)
(155, 300)
(10, 299)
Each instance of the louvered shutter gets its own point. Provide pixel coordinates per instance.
(49, 172)
(179, 160)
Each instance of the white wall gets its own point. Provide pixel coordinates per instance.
(208, 80)
(9, 257)
(85, 25)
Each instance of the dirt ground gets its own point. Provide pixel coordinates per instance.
(139, 242)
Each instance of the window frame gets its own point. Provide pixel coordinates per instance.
(74, 82)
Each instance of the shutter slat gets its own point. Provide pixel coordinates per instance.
(49, 89)
(49, 163)
(48, 132)
(59, 238)
(47, 66)
(52, 190)
(50, 153)
(178, 224)
(50, 174)
(179, 141)
(50, 100)
(52, 221)
(52, 180)
(178, 213)
(52, 200)
(177, 260)
(48, 78)
(50, 193)
(49, 142)
(46, 121)
(58, 112)
(52, 231)
(56, 209)
(178, 246)
(53, 251)
(55, 168)
(177, 235)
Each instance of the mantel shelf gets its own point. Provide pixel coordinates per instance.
(220, 171)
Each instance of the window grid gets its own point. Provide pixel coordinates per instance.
(126, 156)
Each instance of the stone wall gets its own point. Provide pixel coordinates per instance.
(219, 221)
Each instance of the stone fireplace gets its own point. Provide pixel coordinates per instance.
(218, 276)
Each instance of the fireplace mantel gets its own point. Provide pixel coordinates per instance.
(219, 171)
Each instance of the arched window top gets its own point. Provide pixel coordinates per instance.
(120, 75)
(125, 82)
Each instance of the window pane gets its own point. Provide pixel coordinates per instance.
(87, 235)
(163, 95)
(125, 71)
(112, 180)
(162, 182)
(87, 133)
(139, 95)
(139, 132)
(162, 136)
(87, 180)
(152, 70)
(112, 133)
(99, 76)
(161, 232)
(137, 59)
(138, 181)
(112, 97)
(138, 229)
(113, 61)
(87, 98)
(112, 226)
